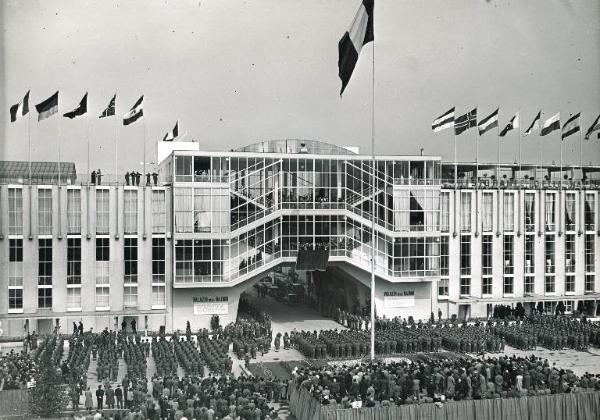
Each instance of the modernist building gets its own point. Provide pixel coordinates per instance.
(220, 221)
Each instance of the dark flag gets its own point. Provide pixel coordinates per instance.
(571, 126)
(595, 126)
(444, 121)
(173, 134)
(48, 107)
(110, 109)
(464, 122)
(551, 124)
(359, 34)
(488, 123)
(80, 110)
(512, 124)
(135, 113)
(535, 125)
(21, 109)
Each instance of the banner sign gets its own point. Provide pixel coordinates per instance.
(218, 305)
(400, 299)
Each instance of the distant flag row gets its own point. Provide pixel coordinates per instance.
(49, 107)
(469, 120)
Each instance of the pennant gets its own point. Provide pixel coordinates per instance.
(595, 126)
(21, 109)
(135, 113)
(464, 122)
(551, 124)
(173, 134)
(444, 121)
(359, 34)
(571, 126)
(512, 124)
(110, 109)
(80, 110)
(48, 107)
(535, 125)
(488, 123)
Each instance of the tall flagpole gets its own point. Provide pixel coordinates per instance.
(498, 141)
(561, 158)
(580, 147)
(541, 146)
(477, 138)
(373, 236)
(29, 135)
(116, 141)
(455, 161)
(519, 134)
(58, 139)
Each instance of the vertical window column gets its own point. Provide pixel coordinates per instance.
(550, 280)
(486, 265)
(73, 274)
(73, 211)
(158, 273)
(590, 265)
(15, 276)
(509, 268)
(45, 274)
(130, 280)
(102, 273)
(465, 265)
(45, 211)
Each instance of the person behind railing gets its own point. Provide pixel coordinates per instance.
(93, 177)
(155, 178)
(99, 177)
(127, 178)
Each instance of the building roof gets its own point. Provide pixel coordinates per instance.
(17, 171)
(312, 147)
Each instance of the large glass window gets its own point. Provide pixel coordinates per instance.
(570, 253)
(130, 208)
(465, 286)
(443, 287)
(158, 273)
(590, 283)
(465, 211)
(550, 253)
(203, 260)
(45, 274)
(550, 205)
(570, 213)
(444, 256)
(15, 275)
(509, 211)
(15, 211)
(183, 168)
(73, 211)
(529, 285)
(529, 256)
(130, 258)
(570, 283)
(486, 286)
(74, 273)
(102, 273)
(184, 210)
(550, 284)
(488, 211)
(590, 255)
(529, 212)
(509, 285)
(509, 254)
(465, 255)
(159, 218)
(102, 211)
(45, 211)
(445, 211)
(486, 255)
(590, 212)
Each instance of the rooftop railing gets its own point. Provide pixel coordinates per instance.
(530, 183)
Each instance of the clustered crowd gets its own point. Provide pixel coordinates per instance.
(438, 380)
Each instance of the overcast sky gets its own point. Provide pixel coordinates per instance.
(237, 72)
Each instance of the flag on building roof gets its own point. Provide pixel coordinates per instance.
(359, 34)
(110, 109)
(444, 121)
(464, 122)
(488, 123)
(135, 113)
(173, 134)
(595, 126)
(48, 107)
(21, 109)
(551, 124)
(80, 110)
(571, 126)
(535, 125)
(512, 124)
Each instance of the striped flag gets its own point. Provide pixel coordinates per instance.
(21, 109)
(571, 126)
(551, 124)
(173, 134)
(109, 111)
(464, 122)
(80, 110)
(488, 122)
(48, 107)
(535, 125)
(595, 126)
(135, 113)
(512, 124)
(359, 34)
(444, 121)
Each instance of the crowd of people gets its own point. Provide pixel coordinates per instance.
(438, 380)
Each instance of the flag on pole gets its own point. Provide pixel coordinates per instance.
(21, 109)
(595, 126)
(173, 134)
(135, 113)
(110, 109)
(80, 110)
(488, 123)
(535, 125)
(464, 122)
(551, 124)
(444, 121)
(512, 124)
(571, 126)
(359, 34)
(48, 107)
